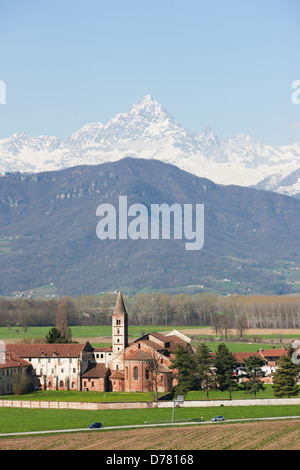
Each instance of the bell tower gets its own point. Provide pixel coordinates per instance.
(119, 326)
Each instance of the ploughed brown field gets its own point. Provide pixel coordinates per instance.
(272, 435)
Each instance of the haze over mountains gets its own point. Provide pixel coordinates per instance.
(148, 131)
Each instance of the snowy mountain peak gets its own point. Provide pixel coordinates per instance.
(149, 104)
(148, 131)
(208, 136)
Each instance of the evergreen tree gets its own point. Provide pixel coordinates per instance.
(183, 364)
(285, 378)
(54, 336)
(204, 372)
(254, 373)
(225, 363)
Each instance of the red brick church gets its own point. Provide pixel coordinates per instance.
(141, 366)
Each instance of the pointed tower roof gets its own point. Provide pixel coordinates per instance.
(120, 306)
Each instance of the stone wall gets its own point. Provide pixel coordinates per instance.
(144, 405)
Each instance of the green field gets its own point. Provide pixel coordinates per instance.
(22, 420)
(81, 331)
(86, 397)
(118, 397)
(105, 331)
(236, 395)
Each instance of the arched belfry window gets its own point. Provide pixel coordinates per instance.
(118, 321)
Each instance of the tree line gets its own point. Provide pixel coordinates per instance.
(204, 370)
(204, 309)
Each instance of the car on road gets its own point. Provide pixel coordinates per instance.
(95, 425)
(218, 418)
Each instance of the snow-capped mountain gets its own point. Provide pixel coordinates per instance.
(149, 131)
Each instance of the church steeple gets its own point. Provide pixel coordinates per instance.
(120, 306)
(119, 326)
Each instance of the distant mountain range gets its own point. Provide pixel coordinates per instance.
(148, 131)
(48, 229)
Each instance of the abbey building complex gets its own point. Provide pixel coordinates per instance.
(140, 366)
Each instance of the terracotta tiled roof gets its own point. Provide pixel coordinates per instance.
(116, 374)
(162, 369)
(264, 353)
(138, 355)
(152, 344)
(240, 357)
(47, 350)
(12, 360)
(273, 352)
(96, 371)
(160, 337)
(175, 339)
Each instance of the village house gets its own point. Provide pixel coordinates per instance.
(270, 356)
(15, 370)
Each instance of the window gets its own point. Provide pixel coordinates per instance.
(135, 373)
(61, 383)
(147, 374)
(118, 321)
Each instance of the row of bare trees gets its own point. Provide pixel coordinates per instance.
(207, 309)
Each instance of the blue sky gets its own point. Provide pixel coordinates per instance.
(226, 63)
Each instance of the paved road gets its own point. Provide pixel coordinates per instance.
(115, 428)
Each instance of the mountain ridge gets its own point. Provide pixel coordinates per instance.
(48, 232)
(148, 131)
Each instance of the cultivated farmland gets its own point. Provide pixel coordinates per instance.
(274, 435)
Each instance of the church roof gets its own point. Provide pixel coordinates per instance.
(96, 371)
(120, 306)
(139, 355)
